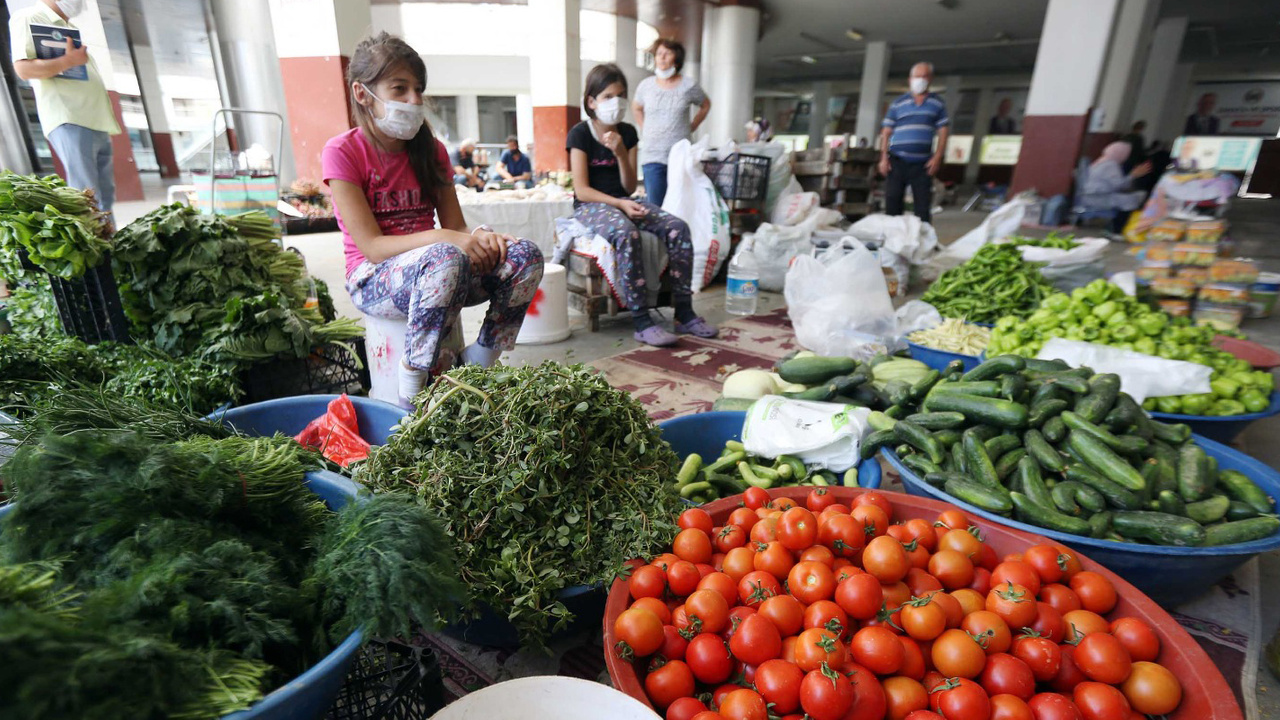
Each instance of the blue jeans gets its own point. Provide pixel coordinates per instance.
(655, 182)
(86, 156)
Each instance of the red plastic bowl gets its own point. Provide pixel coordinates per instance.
(1205, 693)
(1261, 358)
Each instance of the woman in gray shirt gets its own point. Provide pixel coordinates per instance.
(661, 107)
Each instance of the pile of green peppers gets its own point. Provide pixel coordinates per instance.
(1101, 313)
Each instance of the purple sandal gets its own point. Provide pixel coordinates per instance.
(698, 328)
(656, 336)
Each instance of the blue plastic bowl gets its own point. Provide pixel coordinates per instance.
(1169, 575)
(706, 433)
(291, 415)
(1223, 428)
(940, 359)
(308, 696)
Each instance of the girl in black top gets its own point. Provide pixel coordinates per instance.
(602, 155)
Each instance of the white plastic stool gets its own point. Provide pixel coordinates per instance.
(384, 345)
(547, 319)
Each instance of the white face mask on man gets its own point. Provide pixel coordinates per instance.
(610, 110)
(919, 85)
(400, 120)
(70, 8)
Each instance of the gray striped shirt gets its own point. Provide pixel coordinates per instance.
(666, 116)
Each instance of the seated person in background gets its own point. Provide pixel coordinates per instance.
(758, 130)
(465, 171)
(1002, 123)
(390, 177)
(602, 155)
(1108, 187)
(513, 166)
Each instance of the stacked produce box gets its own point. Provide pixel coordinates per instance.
(1185, 268)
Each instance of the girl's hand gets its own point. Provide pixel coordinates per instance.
(632, 209)
(496, 243)
(484, 257)
(613, 141)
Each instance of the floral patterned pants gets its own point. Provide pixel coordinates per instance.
(430, 286)
(623, 234)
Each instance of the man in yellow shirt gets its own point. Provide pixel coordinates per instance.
(75, 114)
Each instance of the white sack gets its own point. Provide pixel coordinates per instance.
(692, 197)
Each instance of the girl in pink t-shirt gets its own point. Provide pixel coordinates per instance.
(388, 176)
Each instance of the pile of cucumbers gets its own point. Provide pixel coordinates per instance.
(736, 470)
(1066, 450)
(875, 383)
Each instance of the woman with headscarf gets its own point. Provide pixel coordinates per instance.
(1107, 187)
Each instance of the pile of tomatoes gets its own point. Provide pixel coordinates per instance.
(837, 613)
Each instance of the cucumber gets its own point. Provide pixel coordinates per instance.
(1100, 524)
(726, 462)
(1047, 517)
(1091, 500)
(1159, 528)
(985, 388)
(1131, 445)
(984, 432)
(980, 495)
(815, 370)
(978, 463)
(845, 384)
(1150, 471)
(995, 367)
(818, 393)
(1042, 451)
(1104, 388)
(695, 489)
(879, 421)
(764, 472)
(732, 404)
(1064, 498)
(1047, 391)
(919, 438)
(727, 485)
(1077, 423)
(898, 392)
(1193, 473)
(920, 464)
(1123, 415)
(897, 412)
(946, 438)
(1239, 510)
(1239, 531)
(872, 443)
(921, 387)
(798, 469)
(869, 396)
(1116, 495)
(1001, 444)
(991, 411)
(1031, 483)
(1008, 463)
(1164, 452)
(1169, 502)
(1054, 430)
(1072, 381)
(689, 469)
(1046, 366)
(1013, 387)
(1239, 487)
(1209, 510)
(749, 476)
(955, 367)
(939, 479)
(1045, 410)
(937, 420)
(957, 458)
(1176, 434)
(1103, 459)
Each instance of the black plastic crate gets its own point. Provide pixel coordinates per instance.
(739, 176)
(329, 369)
(391, 680)
(89, 306)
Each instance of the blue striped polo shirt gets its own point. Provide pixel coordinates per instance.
(914, 125)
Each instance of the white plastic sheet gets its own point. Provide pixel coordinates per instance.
(1142, 376)
(822, 435)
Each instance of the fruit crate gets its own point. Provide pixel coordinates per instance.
(89, 306)
(329, 370)
(391, 680)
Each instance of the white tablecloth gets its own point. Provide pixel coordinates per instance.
(532, 219)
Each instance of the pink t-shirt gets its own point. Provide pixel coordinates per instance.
(393, 192)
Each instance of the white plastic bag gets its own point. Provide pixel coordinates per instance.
(1070, 269)
(793, 209)
(692, 197)
(1142, 376)
(839, 304)
(903, 235)
(822, 435)
(774, 248)
(1002, 222)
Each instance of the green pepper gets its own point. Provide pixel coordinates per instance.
(1150, 405)
(1151, 323)
(1227, 407)
(1254, 400)
(1124, 333)
(1145, 345)
(1169, 404)
(1196, 404)
(1106, 310)
(1225, 388)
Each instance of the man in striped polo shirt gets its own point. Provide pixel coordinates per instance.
(907, 156)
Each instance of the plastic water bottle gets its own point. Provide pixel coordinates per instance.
(744, 282)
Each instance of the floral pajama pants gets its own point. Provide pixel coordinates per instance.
(430, 286)
(623, 234)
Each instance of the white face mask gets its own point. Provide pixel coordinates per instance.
(400, 120)
(664, 74)
(919, 85)
(610, 111)
(70, 8)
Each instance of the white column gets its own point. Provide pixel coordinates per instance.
(13, 146)
(524, 119)
(555, 70)
(1172, 121)
(818, 114)
(144, 65)
(951, 93)
(875, 72)
(734, 32)
(987, 103)
(1079, 30)
(624, 51)
(468, 117)
(1166, 44)
(1129, 44)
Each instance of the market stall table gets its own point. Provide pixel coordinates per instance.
(529, 214)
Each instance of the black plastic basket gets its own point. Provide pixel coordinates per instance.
(329, 369)
(88, 306)
(739, 177)
(391, 681)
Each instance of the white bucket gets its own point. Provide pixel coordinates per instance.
(384, 344)
(547, 698)
(547, 320)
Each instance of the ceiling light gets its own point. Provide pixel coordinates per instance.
(809, 59)
(853, 34)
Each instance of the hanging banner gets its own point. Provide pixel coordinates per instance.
(1237, 108)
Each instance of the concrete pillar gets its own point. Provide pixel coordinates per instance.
(153, 103)
(624, 52)
(1129, 44)
(875, 73)
(253, 75)
(734, 33)
(314, 40)
(818, 114)
(524, 119)
(1172, 121)
(555, 79)
(987, 103)
(951, 93)
(1157, 77)
(1062, 93)
(468, 117)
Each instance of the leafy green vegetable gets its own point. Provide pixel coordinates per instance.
(59, 228)
(545, 476)
(30, 308)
